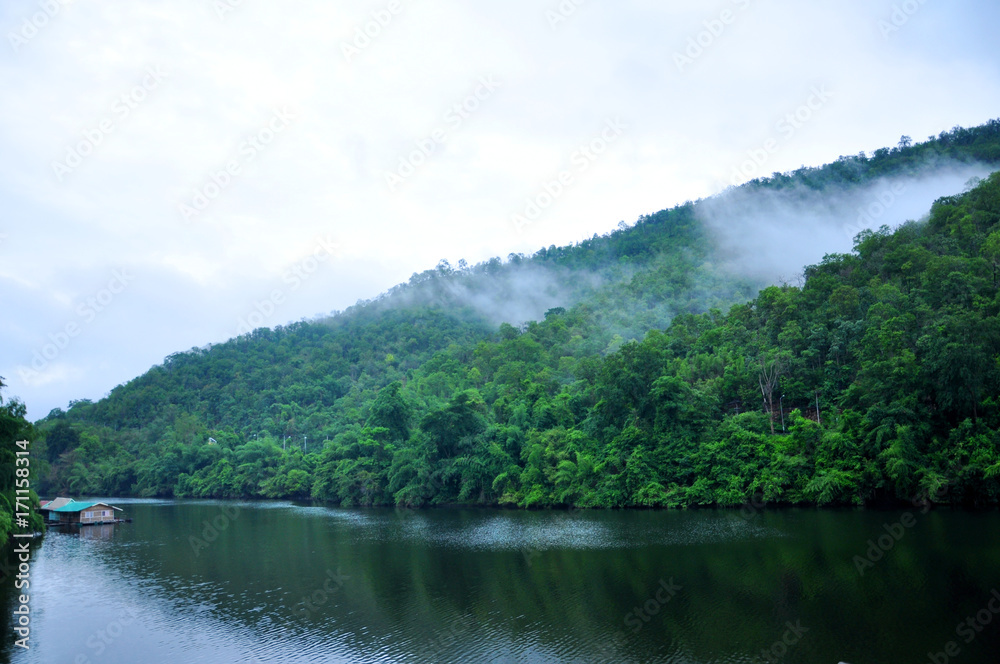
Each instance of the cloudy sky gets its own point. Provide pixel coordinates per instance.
(173, 172)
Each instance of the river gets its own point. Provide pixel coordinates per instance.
(224, 582)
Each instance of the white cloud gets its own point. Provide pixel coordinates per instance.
(324, 174)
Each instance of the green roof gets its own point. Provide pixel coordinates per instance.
(77, 506)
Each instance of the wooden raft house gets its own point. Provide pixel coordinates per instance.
(66, 511)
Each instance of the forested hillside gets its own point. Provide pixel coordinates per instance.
(13, 428)
(657, 377)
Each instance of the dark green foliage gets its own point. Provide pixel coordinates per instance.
(16, 474)
(650, 385)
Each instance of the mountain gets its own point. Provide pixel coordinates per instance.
(656, 365)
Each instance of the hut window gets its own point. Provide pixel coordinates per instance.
(88, 515)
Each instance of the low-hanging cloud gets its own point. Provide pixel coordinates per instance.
(770, 235)
(514, 292)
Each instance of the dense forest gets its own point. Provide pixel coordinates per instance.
(13, 428)
(652, 376)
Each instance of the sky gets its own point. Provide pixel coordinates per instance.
(173, 174)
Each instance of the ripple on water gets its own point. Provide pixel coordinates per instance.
(541, 531)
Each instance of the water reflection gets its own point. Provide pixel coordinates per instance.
(104, 532)
(225, 582)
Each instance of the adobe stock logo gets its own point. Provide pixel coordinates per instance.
(220, 180)
(651, 607)
(877, 548)
(869, 214)
(296, 275)
(562, 13)
(120, 109)
(901, 15)
(315, 600)
(370, 31)
(698, 44)
(223, 7)
(456, 115)
(788, 127)
(30, 26)
(968, 630)
(87, 312)
(580, 161)
(212, 529)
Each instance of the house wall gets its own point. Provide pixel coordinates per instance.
(97, 514)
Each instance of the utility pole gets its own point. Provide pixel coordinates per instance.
(305, 444)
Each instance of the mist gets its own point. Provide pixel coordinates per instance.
(771, 235)
(515, 292)
(521, 293)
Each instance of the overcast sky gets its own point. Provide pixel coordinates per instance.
(171, 172)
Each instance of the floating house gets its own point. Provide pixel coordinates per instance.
(68, 511)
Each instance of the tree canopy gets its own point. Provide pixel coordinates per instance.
(653, 376)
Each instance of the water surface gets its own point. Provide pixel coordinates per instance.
(223, 582)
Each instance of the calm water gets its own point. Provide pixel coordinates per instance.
(276, 582)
